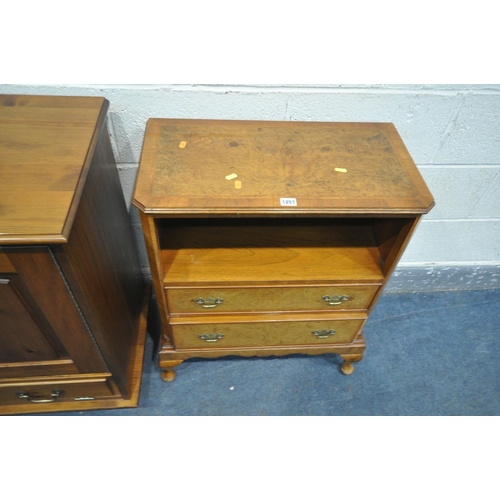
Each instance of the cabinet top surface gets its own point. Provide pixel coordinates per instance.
(256, 167)
(46, 144)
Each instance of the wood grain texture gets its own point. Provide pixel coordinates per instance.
(101, 401)
(38, 368)
(101, 263)
(223, 251)
(73, 290)
(395, 250)
(358, 346)
(263, 219)
(152, 240)
(5, 264)
(51, 141)
(98, 386)
(275, 333)
(255, 299)
(263, 317)
(20, 336)
(41, 277)
(327, 167)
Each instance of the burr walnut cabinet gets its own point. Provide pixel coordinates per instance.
(272, 238)
(72, 295)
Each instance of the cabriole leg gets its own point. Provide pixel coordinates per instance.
(347, 368)
(168, 373)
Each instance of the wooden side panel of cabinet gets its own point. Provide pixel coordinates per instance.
(101, 264)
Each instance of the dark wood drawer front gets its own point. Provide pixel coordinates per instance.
(254, 334)
(321, 298)
(49, 392)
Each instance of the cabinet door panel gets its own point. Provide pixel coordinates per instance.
(21, 338)
(46, 317)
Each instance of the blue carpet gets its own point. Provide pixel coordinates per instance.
(428, 354)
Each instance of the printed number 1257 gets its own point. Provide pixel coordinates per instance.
(288, 202)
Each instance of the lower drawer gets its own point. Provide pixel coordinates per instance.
(317, 298)
(45, 392)
(255, 334)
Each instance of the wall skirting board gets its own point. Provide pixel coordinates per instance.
(444, 278)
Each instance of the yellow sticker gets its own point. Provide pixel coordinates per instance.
(230, 177)
(182, 144)
(237, 184)
(343, 170)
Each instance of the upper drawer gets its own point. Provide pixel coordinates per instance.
(320, 298)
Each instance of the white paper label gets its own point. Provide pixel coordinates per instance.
(288, 202)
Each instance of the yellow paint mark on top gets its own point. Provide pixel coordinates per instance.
(182, 144)
(230, 177)
(343, 170)
(237, 184)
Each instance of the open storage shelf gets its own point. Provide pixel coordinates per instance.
(222, 251)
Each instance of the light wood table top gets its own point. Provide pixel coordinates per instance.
(251, 167)
(45, 144)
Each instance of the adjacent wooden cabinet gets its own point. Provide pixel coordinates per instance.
(273, 238)
(72, 297)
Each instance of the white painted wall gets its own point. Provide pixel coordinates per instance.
(452, 132)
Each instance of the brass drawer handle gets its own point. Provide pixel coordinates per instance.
(40, 399)
(335, 300)
(323, 334)
(211, 337)
(209, 303)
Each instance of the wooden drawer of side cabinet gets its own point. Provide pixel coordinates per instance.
(38, 392)
(262, 299)
(267, 333)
